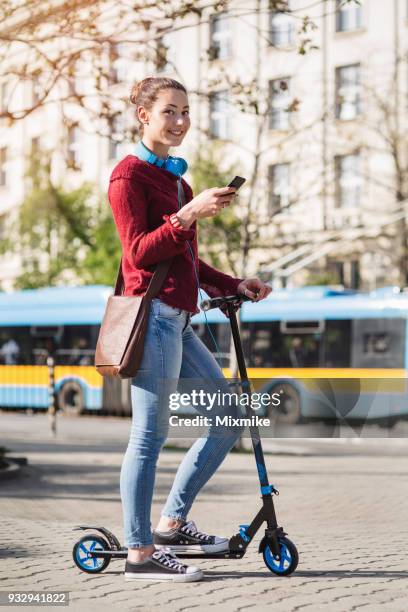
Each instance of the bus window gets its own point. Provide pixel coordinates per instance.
(224, 343)
(32, 345)
(267, 347)
(78, 344)
(45, 341)
(301, 327)
(378, 343)
(297, 345)
(42, 349)
(337, 344)
(262, 344)
(15, 346)
(301, 351)
(73, 332)
(222, 335)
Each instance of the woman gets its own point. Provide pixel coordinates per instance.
(144, 196)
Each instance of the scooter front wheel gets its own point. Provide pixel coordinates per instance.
(80, 553)
(288, 561)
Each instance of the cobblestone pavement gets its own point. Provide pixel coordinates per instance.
(347, 514)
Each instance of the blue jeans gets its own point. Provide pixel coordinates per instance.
(172, 351)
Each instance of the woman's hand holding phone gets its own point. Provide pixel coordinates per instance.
(208, 203)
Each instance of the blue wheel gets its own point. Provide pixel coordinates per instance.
(81, 550)
(288, 561)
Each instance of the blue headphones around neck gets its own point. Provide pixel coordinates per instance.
(175, 165)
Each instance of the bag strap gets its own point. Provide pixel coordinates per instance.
(156, 281)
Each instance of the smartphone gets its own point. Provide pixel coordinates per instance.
(237, 182)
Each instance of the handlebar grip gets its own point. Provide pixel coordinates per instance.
(220, 301)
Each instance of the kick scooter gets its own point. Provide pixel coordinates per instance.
(93, 552)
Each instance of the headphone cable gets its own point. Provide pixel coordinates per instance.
(217, 348)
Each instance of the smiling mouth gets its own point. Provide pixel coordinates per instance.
(176, 133)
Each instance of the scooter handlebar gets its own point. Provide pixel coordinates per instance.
(221, 301)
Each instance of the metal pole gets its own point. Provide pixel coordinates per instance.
(52, 407)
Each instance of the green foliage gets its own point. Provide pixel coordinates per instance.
(206, 168)
(101, 262)
(62, 236)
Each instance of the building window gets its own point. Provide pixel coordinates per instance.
(76, 78)
(117, 63)
(71, 74)
(35, 146)
(348, 180)
(279, 96)
(220, 37)
(165, 54)
(3, 169)
(279, 188)
(3, 232)
(348, 92)
(34, 158)
(220, 115)
(33, 161)
(73, 153)
(116, 136)
(348, 16)
(36, 90)
(4, 96)
(281, 29)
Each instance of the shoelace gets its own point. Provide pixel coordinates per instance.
(165, 556)
(191, 529)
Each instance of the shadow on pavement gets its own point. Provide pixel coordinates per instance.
(212, 575)
(15, 552)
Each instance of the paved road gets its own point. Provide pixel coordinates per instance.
(301, 440)
(343, 503)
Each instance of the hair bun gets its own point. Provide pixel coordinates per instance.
(135, 92)
(138, 87)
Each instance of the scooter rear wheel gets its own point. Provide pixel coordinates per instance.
(289, 558)
(80, 554)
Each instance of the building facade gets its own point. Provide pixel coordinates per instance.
(310, 100)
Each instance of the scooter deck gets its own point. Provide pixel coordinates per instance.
(188, 555)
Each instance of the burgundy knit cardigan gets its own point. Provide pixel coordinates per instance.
(142, 198)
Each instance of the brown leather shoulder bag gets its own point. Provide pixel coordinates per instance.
(120, 345)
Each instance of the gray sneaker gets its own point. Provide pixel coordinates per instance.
(162, 565)
(187, 538)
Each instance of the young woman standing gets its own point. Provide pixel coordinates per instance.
(144, 194)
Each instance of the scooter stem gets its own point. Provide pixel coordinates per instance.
(266, 488)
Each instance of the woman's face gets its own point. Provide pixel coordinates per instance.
(169, 119)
